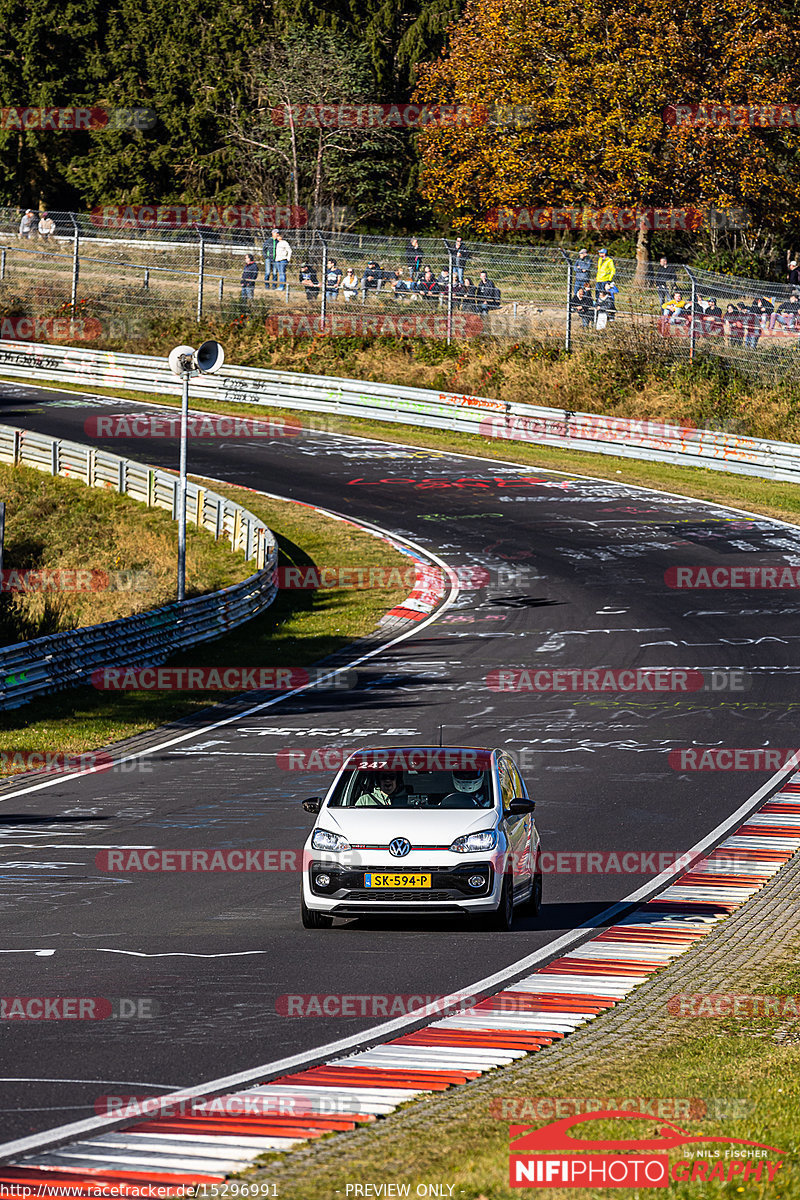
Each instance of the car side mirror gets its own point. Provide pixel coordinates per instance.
(312, 805)
(520, 807)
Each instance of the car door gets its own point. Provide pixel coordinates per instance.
(518, 829)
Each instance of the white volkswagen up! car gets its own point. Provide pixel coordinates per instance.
(430, 829)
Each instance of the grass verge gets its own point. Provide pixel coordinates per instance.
(298, 629)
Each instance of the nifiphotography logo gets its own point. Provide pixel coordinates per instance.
(548, 1157)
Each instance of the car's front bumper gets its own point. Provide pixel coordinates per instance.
(449, 891)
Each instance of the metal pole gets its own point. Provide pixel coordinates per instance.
(200, 271)
(147, 277)
(75, 264)
(2, 263)
(221, 287)
(692, 328)
(182, 490)
(568, 329)
(2, 533)
(449, 250)
(323, 312)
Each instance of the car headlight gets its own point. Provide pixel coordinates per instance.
(472, 842)
(322, 839)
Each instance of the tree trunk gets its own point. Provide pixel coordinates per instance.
(641, 278)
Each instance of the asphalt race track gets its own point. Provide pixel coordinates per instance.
(576, 572)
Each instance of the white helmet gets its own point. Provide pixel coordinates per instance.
(467, 781)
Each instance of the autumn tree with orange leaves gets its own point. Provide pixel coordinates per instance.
(593, 81)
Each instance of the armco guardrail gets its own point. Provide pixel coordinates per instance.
(49, 664)
(487, 417)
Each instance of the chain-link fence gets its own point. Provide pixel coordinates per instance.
(92, 277)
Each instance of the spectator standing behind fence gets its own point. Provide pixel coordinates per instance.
(27, 225)
(270, 247)
(249, 277)
(793, 275)
(350, 286)
(606, 270)
(583, 305)
(414, 259)
(308, 279)
(581, 271)
(333, 280)
(461, 257)
(283, 256)
(488, 294)
(47, 226)
(666, 280)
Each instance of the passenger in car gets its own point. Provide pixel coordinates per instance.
(388, 791)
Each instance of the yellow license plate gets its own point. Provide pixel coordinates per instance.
(397, 881)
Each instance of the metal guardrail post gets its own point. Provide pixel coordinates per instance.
(200, 272)
(75, 264)
(692, 325)
(568, 322)
(449, 249)
(323, 311)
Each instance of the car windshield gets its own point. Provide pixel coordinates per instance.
(413, 789)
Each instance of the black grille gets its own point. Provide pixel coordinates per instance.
(398, 894)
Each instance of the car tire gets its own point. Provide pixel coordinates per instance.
(533, 905)
(312, 919)
(503, 916)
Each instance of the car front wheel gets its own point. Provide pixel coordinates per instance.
(503, 916)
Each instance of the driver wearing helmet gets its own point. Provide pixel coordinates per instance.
(388, 791)
(473, 784)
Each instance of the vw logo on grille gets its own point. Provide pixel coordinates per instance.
(400, 847)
